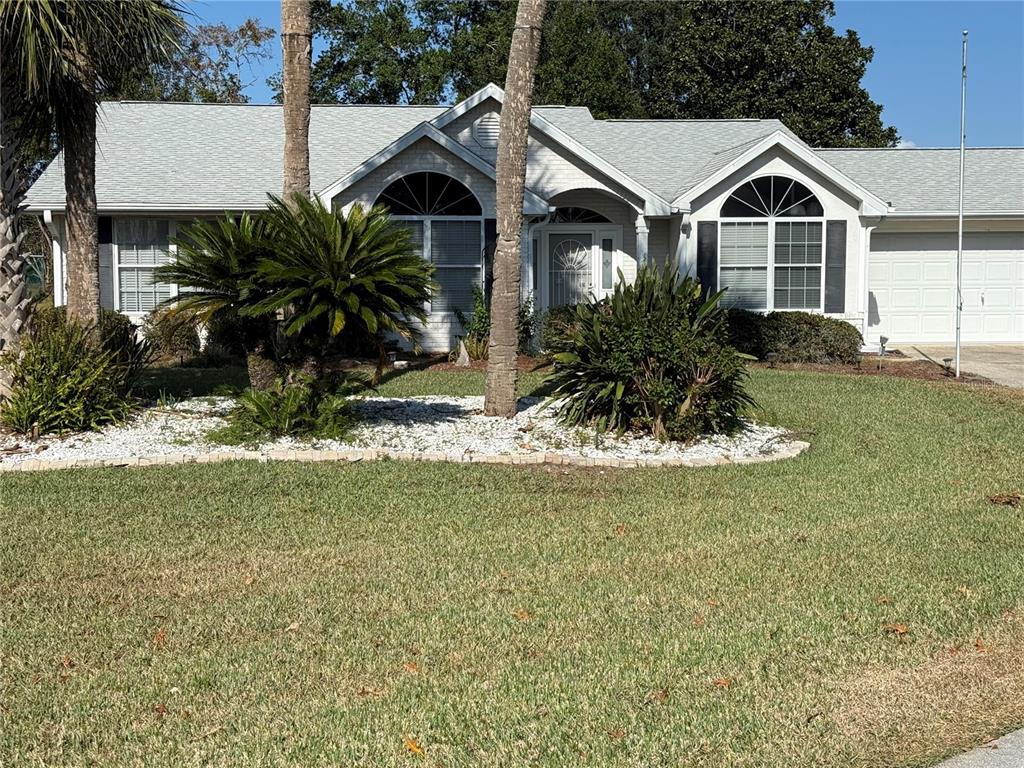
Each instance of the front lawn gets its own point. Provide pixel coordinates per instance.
(860, 605)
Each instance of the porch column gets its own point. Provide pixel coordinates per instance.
(641, 240)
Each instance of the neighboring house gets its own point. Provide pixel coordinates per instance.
(867, 235)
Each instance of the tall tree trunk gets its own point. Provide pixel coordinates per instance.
(297, 48)
(502, 360)
(83, 250)
(14, 302)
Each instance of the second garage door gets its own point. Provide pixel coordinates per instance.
(913, 287)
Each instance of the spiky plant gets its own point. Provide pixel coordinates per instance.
(335, 273)
(216, 270)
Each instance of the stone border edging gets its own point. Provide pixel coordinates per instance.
(792, 449)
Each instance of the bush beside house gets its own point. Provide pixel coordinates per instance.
(654, 357)
(794, 337)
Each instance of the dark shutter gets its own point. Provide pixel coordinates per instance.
(707, 255)
(106, 230)
(490, 244)
(835, 266)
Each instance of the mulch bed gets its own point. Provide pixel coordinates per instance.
(899, 367)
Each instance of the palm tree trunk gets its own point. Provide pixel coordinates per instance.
(502, 369)
(297, 46)
(83, 256)
(14, 302)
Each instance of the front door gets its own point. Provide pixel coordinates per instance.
(570, 267)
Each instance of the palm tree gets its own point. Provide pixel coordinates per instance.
(502, 358)
(216, 265)
(354, 274)
(14, 302)
(297, 47)
(64, 54)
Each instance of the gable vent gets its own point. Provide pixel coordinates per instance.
(485, 130)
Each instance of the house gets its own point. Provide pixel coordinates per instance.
(867, 235)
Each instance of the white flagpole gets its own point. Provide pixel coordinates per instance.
(960, 214)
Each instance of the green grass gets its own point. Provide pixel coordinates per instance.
(290, 614)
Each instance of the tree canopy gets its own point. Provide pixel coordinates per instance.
(631, 59)
(213, 63)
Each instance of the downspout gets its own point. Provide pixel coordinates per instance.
(57, 253)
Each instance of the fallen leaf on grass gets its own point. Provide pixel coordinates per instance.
(411, 667)
(616, 734)
(722, 682)
(882, 600)
(160, 639)
(522, 615)
(413, 746)
(658, 696)
(1011, 499)
(980, 647)
(897, 629)
(292, 627)
(620, 529)
(160, 710)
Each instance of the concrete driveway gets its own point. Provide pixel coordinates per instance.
(1003, 363)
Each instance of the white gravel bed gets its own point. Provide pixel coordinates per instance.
(416, 425)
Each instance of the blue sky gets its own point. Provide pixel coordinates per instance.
(915, 73)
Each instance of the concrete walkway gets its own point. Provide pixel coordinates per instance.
(1003, 363)
(1007, 752)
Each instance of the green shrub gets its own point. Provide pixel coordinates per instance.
(477, 326)
(655, 357)
(794, 337)
(68, 379)
(172, 334)
(130, 353)
(555, 324)
(306, 407)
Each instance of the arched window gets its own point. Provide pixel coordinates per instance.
(446, 222)
(772, 196)
(771, 246)
(575, 215)
(429, 194)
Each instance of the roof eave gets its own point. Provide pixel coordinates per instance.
(870, 204)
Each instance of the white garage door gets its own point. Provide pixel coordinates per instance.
(913, 287)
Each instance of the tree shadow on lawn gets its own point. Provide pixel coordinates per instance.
(180, 382)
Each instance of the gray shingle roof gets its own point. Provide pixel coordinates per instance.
(182, 156)
(176, 155)
(666, 156)
(927, 179)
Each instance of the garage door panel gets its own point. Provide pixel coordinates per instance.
(938, 272)
(998, 272)
(997, 300)
(912, 282)
(936, 299)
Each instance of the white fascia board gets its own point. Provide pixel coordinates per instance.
(871, 204)
(532, 202)
(168, 208)
(654, 204)
(489, 91)
(953, 214)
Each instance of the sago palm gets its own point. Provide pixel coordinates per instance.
(60, 57)
(216, 269)
(356, 274)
